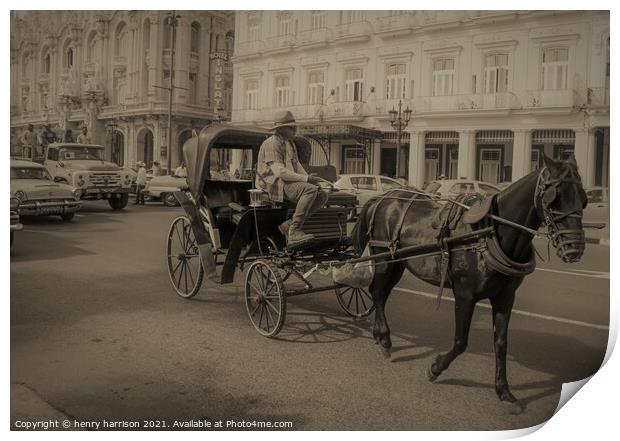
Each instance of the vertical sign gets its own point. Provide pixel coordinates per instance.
(218, 64)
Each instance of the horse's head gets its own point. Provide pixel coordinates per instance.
(560, 200)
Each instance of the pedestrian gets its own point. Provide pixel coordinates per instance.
(181, 171)
(30, 141)
(68, 137)
(140, 183)
(156, 168)
(48, 136)
(282, 176)
(84, 137)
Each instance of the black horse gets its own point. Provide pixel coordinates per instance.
(553, 196)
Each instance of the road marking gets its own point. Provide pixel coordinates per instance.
(582, 273)
(515, 311)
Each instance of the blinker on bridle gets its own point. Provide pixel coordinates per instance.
(546, 193)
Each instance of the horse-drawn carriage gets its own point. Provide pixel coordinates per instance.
(230, 224)
(480, 248)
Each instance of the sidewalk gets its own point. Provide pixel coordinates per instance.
(598, 235)
(28, 407)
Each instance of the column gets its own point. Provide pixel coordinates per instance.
(416, 158)
(376, 157)
(467, 154)
(585, 154)
(521, 153)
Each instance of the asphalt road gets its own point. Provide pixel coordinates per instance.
(98, 333)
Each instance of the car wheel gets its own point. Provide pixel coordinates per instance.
(119, 203)
(169, 200)
(67, 216)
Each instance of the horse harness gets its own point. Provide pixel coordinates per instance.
(472, 209)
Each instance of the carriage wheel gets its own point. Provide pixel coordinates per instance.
(184, 266)
(265, 298)
(356, 302)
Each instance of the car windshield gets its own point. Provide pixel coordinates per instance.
(69, 153)
(30, 173)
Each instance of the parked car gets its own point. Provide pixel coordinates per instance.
(596, 214)
(83, 166)
(163, 188)
(39, 195)
(454, 187)
(365, 187)
(15, 224)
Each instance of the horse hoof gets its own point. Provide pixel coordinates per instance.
(387, 352)
(513, 408)
(430, 375)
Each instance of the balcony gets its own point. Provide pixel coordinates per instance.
(281, 43)
(249, 48)
(352, 32)
(598, 96)
(394, 26)
(463, 102)
(345, 109)
(382, 107)
(557, 98)
(314, 37)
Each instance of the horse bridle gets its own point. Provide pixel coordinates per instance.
(546, 192)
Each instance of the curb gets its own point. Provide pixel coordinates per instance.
(597, 241)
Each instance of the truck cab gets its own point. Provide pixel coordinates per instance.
(83, 166)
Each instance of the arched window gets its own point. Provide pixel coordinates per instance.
(47, 63)
(395, 81)
(167, 35)
(496, 73)
(555, 68)
(443, 76)
(90, 48)
(282, 91)
(120, 39)
(195, 37)
(69, 58)
(354, 84)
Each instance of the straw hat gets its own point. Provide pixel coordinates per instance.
(283, 118)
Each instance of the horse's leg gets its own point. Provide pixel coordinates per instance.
(463, 311)
(381, 287)
(502, 307)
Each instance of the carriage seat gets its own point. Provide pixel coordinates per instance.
(220, 194)
(451, 214)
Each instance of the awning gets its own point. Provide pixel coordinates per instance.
(494, 136)
(553, 136)
(442, 137)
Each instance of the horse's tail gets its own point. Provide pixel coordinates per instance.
(359, 235)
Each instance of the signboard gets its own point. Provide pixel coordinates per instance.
(219, 61)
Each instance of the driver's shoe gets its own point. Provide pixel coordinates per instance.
(284, 227)
(297, 237)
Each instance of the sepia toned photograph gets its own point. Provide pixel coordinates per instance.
(300, 220)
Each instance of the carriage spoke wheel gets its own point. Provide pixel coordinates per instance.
(265, 298)
(356, 302)
(184, 267)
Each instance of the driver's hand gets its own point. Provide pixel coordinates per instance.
(313, 179)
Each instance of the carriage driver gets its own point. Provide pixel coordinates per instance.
(280, 174)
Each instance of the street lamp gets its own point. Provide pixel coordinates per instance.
(172, 20)
(399, 120)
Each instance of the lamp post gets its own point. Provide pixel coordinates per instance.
(399, 120)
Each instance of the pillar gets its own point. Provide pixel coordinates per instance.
(416, 158)
(585, 154)
(376, 157)
(521, 153)
(467, 154)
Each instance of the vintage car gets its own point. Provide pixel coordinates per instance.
(454, 187)
(39, 195)
(163, 188)
(83, 166)
(15, 224)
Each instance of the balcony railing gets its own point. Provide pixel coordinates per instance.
(394, 23)
(491, 101)
(280, 42)
(360, 29)
(250, 48)
(598, 96)
(314, 36)
(550, 98)
(380, 107)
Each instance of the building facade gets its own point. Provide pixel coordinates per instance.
(490, 91)
(110, 71)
